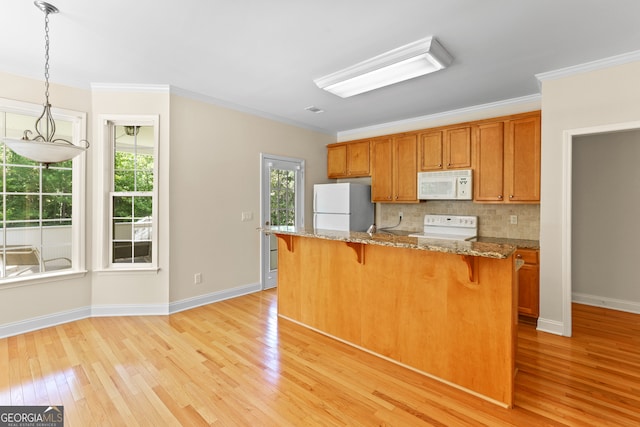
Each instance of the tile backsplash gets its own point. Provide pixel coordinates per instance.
(493, 219)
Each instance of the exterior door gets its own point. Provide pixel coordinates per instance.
(282, 204)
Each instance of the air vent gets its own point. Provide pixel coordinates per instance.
(314, 109)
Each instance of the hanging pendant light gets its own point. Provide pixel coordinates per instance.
(44, 147)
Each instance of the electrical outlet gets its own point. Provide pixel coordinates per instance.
(513, 219)
(246, 216)
(197, 278)
(401, 215)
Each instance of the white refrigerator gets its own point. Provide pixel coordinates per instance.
(342, 206)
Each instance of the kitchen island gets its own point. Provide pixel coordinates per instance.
(447, 309)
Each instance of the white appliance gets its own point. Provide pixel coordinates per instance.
(445, 185)
(449, 227)
(343, 206)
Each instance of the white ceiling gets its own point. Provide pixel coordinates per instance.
(262, 55)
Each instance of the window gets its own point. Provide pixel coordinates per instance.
(40, 208)
(132, 194)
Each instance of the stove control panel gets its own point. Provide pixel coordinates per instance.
(451, 221)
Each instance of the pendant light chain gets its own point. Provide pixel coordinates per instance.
(46, 56)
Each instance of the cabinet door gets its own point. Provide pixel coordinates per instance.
(336, 161)
(358, 163)
(522, 160)
(430, 151)
(382, 170)
(458, 148)
(528, 283)
(489, 155)
(405, 167)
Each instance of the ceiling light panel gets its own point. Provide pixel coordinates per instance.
(407, 62)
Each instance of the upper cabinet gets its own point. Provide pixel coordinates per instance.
(348, 160)
(457, 148)
(507, 160)
(503, 152)
(522, 159)
(394, 169)
(430, 151)
(447, 148)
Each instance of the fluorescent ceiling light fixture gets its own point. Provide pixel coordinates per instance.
(406, 62)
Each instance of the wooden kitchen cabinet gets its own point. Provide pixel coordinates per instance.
(507, 160)
(394, 169)
(489, 162)
(457, 148)
(449, 148)
(522, 159)
(430, 151)
(529, 283)
(348, 160)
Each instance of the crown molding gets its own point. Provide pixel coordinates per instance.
(230, 105)
(600, 64)
(130, 87)
(452, 113)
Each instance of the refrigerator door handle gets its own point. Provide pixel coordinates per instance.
(315, 201)
(314, 220)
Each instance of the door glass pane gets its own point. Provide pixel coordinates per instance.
(273, 252)
(283, 187)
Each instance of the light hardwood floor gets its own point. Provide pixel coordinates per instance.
(234, 363)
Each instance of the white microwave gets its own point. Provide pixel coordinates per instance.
(445, 185)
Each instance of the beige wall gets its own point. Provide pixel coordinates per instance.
(142, 289)
(19, 302)
(208, 174)
(593, 99)
(215, 176)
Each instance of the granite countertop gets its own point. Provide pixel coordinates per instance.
(400, 239)
(519, 243)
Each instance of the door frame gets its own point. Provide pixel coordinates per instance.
(265, 159)
(566, 327)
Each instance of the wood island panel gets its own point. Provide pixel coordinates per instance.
(417, 308)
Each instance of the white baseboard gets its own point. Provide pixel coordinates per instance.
(107, 310)
(28, 325)
(200, 300)
(550, 326)
(605, 302)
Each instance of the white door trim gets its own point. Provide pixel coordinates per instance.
(265, 208)
(566, 224)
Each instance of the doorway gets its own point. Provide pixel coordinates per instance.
(569, 138)
(282, 194)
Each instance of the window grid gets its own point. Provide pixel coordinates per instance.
(131, 197)
(36, 212)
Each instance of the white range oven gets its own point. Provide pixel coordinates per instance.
(449, 227)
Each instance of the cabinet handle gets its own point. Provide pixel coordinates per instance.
(440, 165)
(518, 256)
(500, 197)
(511, 196)
(448, 164)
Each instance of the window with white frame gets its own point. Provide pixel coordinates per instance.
(41, 207)
(132, 196)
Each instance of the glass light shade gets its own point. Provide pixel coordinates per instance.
(44, 151)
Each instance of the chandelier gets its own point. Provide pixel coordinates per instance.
(44, 147)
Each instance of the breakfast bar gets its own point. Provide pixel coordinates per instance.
(447, 309)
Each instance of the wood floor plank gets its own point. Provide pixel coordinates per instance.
(234, 363)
